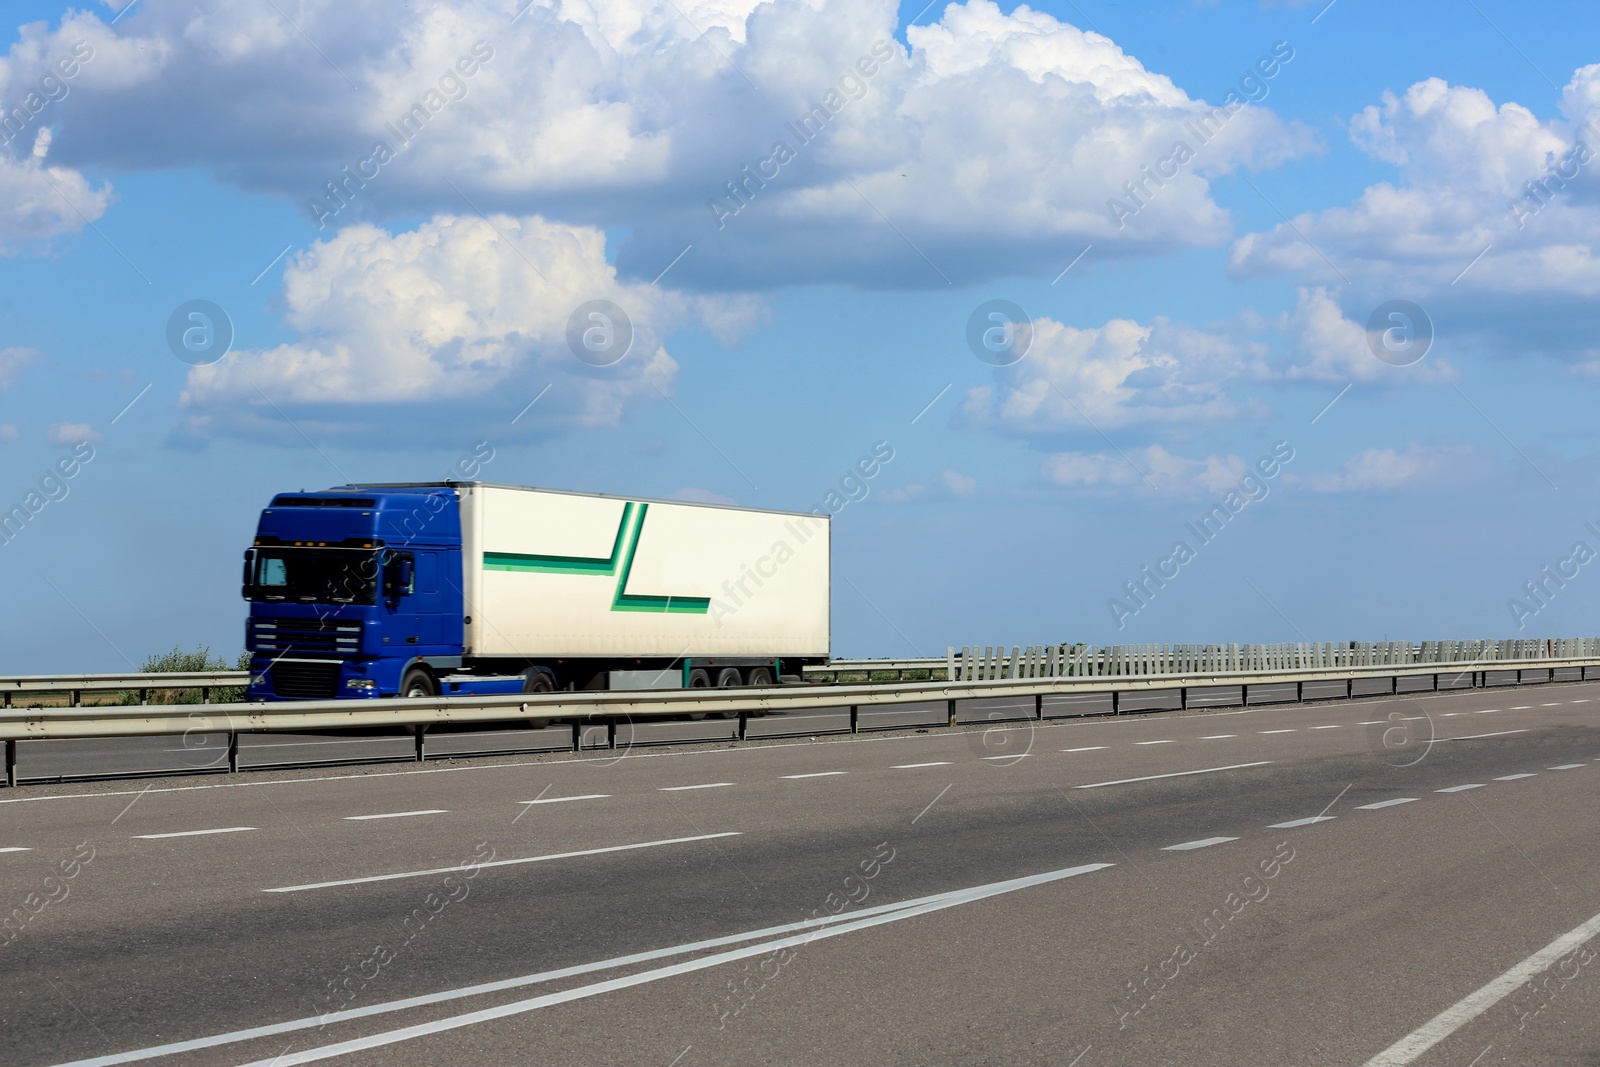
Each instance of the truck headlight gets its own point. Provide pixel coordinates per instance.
(360, 683)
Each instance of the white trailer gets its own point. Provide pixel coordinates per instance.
(640, 590)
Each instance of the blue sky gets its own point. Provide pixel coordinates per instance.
(974, 164)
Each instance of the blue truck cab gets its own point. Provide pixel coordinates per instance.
(350, 587)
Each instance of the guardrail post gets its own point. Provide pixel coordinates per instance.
(744, 721)
(419, 729)
(233, 751)
(1116, 702)
(74, 697)
(853, 728)
(11, 762)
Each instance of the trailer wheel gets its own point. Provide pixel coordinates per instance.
(760, 676)
(538, 680)
(728, 677)
(418, 683)
(699, 678)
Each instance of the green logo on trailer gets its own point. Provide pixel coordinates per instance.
(618, 563)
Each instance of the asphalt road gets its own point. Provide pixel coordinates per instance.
(1385, 881)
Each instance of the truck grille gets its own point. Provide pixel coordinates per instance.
(306, 635)
(306, 681)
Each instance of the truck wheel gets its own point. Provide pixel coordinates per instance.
(760, 676)
(418, 683)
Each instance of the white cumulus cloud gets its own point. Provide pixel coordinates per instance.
(992, 145)
(1382, 469)
(458, 310)
(1151, 468)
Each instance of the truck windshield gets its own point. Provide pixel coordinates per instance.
(314, 575)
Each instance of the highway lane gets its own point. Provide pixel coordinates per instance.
(171, 938)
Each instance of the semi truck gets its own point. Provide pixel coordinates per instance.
(442, 588)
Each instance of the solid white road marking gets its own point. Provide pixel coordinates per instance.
(1385, 804)
(1217, 737)
(195, 833)
(1154, 742)
(1474, 737)
(1463, 1011)
(521, 981)
(1290, 730)
(914, 766)
(16, 848)
(396, 814)
(499, 863)
(1175, 774)
(1090, 748)
(1460, 788)
(1204, 842)
(1568, 766)
(563, 800)
(856, 922)
(1514, 777)
(813, 774)
(1307, 821)
(681, 788)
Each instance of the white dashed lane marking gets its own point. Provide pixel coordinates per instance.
(563, 800)
(1204, 842)
(1307, 821)
(1385, 804)
(914, 766)
(813, 774)
(1217, 737)
(396, 814)
(1460, 788)
(682, 788)
(195, 833)
(1290, 730)
(1153, 742)
(1514, 777)
(1088, 748)
(1568, 766)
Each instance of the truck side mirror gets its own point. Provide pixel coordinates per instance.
(249, 569)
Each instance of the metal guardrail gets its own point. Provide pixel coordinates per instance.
(974, 662)
(143, 682)
(987, 663)
(946, 703)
